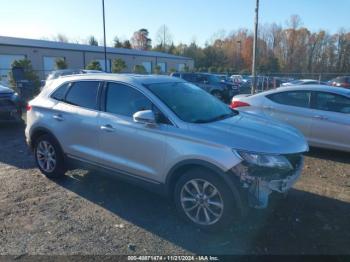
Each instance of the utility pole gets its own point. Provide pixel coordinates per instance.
(255, 46)
(164, 38)
(104, 33)
(240, 54)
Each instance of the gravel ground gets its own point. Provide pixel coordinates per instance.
(91, 213)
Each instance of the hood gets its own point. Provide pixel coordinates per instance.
(253, 133)
(5, 90)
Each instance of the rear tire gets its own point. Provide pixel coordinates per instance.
(49, 157)
(203, 199)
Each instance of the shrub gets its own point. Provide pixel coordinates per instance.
(157, 70)
(60, 63)
(94, 65)
(29, 74)
(139, 69)
(118, 65)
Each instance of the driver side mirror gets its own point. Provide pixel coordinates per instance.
(146, 117)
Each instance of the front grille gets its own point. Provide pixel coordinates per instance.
(6, 103)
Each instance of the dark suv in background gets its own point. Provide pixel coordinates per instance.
(10, 106)
(213, 84)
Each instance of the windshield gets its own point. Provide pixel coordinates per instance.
(190, 103)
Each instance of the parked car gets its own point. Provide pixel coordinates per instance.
(10, 106)
(168, 135)
(211, 83)
(321, 113)
(301, 82)
(341, 81)
(238, 79)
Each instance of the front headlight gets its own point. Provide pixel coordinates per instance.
(265, 160)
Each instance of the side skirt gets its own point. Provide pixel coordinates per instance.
(150, 185)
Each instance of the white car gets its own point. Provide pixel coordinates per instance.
(321, 113)
(300, 82)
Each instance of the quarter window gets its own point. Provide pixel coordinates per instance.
(60, 93)
(83, 94)
(294, 98)
(332, 102)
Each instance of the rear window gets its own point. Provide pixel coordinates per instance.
(83, 94)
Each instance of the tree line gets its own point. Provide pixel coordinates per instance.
(288, 49)
(282, 49)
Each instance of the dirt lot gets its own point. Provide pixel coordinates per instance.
(90, 213)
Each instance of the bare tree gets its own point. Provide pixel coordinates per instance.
(140, 40)
(61, 38)
(164, 38)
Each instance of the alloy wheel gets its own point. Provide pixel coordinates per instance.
(46, 156)
(202, 202)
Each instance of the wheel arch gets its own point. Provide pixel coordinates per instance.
(229, 178)
(40, 131)
(215, 89)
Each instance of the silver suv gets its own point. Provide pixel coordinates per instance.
(168, 135)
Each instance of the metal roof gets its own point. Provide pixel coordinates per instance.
(24, 42)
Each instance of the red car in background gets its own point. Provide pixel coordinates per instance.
(341, 81)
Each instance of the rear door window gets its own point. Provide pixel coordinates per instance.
(84, 94)
(292, 98)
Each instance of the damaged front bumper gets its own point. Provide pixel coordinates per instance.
(259, 186)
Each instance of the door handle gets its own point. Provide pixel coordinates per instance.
(108, 128)
(268, 107)
(58, 117)
(320, 117)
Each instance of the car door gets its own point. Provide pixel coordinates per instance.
(74, 119)
(291, 107)
(331, 120)
(203, 82)
(126, 145)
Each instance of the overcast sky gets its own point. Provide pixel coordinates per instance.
(187, 19)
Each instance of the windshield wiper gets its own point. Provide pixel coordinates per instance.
(217, 118)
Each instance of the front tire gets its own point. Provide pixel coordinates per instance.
(203, 199)
(49, 157)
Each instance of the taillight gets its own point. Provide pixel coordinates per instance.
(28, 107)
(236, 104)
